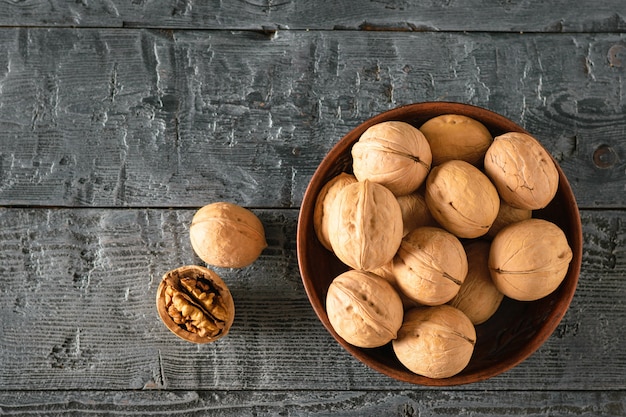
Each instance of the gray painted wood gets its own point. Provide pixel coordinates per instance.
(142, 118)
(78, 312)
(112, 132)
(401, 15)
(356, 403)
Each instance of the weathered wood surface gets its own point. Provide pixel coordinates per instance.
(356, 403)
(142, 118)
(77, 308)
(119, 118)
(405, 15)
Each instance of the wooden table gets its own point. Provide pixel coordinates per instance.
(119, 119)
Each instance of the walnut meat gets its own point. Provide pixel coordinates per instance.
(478, 296)
(323, 205)
(522, 171)
(454, 136)
(226, 235)
(430, 265)
(195, 304)
(364, 309)
(435, 342)
(365, 225)
(529, 259)
(462, 199)
(394, 154)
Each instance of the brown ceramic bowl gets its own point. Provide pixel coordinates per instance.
(516, 330)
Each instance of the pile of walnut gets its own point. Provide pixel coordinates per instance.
(193, 301)
(436, 225)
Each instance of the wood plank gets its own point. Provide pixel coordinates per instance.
(313, 403)
(77, 312)
(403, 15)
(175, 119)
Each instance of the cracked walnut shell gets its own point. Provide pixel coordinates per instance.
(226, 235)
(195, 304)
(364, 309)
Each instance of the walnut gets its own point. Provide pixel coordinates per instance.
(394, 154)
(323, 205)
(364, 309)
(454, 136)
(365, 225)
(386, 273)
(522, 170)
(226, 235)
(462, 199)
(507, 214)
(478, 296)
(430, 265)
(195, 304)
(529, 259)
(415, 212)
(435, 342)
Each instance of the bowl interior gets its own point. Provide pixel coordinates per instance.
(515, 331)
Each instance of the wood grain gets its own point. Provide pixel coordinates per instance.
(77, 312)
(140, 118)
(298, 403)
(119, 118)
(268, 15)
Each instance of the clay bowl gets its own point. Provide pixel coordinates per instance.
(516, 330)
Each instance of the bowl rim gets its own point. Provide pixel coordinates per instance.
(317, 180)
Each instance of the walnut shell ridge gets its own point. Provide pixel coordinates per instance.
(522, 170)
(226, 235)
(365, 225)
(436, 342)
(394, 154)
(430, 265)
(528, 260)
(364, 309)
(462, 199)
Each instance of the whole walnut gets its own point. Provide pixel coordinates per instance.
(415, 212)
(430, 265)
(435, 342)
(529, 259)
(323, 205)
(478, 296)
(364, 309)
(226, 235)
(522, 171)
(507, 214)
(365, 225)
(394, 154)
(462, 199)
(454, 136)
